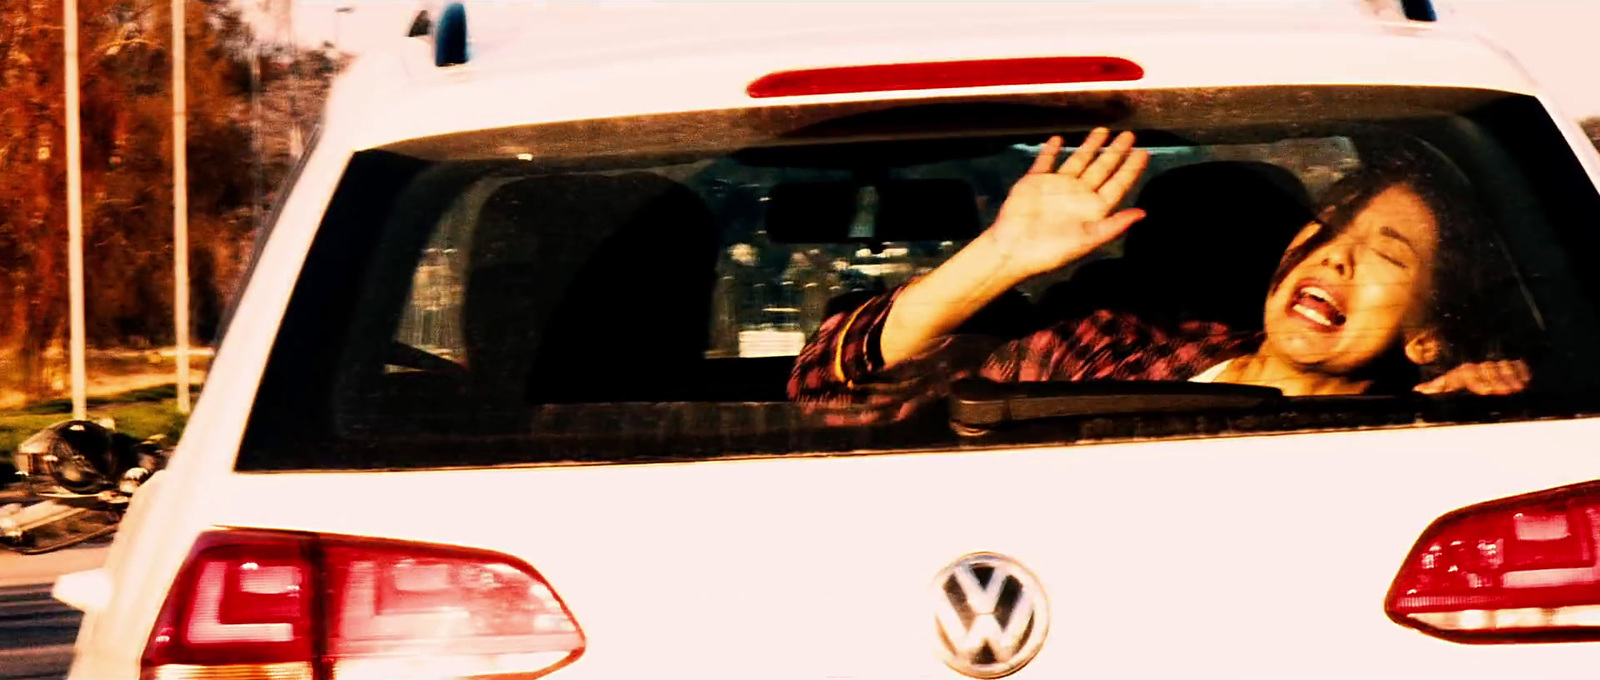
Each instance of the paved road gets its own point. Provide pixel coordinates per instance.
(36, 632)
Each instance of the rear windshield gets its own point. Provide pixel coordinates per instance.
(697, 285)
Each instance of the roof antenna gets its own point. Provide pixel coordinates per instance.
(1419, 10)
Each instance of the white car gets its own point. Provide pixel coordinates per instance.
(507, 391)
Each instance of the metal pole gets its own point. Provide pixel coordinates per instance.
(180, 204)
(80, 378)
(294, 83)
(257, 177)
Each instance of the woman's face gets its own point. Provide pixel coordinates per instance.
(1354, 296)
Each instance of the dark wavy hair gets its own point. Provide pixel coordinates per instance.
(1470, 271)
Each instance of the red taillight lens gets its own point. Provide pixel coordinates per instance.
(430, 612)
(281, 606)
(1514, 570)
(244, 601)
(944, 75)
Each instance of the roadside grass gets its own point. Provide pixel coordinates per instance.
(139, 413)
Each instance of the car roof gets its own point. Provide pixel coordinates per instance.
(549, 62)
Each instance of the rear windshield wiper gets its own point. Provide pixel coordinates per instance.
(983, 404)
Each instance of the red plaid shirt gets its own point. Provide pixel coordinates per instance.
(841, 372)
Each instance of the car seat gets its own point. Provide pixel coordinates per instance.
(589, 288)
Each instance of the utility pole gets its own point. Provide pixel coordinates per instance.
(257, 175)
(80, 376)
(180, 202)
(295, 142)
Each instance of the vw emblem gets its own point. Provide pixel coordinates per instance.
(992, 615)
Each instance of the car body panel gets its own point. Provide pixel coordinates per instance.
(552, 85)
(1259, 556)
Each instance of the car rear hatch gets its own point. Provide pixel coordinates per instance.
(692, 523)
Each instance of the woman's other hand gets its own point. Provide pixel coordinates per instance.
(1056, 216)
(1489, 377)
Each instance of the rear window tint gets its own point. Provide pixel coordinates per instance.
(464, 305)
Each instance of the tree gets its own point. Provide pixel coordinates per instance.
(127, 172)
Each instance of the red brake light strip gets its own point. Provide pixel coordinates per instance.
(944, 75)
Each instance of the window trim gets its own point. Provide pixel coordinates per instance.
(375, 450)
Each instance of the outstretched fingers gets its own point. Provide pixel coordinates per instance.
(1108, 162)
(1104, 230)
(1118, 166)
(1085, 153)
(1117, 187)
(1046, 160)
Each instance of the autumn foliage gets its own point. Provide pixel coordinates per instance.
(126, 123)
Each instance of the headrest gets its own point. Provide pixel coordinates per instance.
(1219, 206)
(558, 260)
(873, 212)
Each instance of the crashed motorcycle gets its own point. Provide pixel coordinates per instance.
(78, 477)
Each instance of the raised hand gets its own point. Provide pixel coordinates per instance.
(1052, 217)
(1056, 216)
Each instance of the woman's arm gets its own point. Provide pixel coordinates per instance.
(1051, 218)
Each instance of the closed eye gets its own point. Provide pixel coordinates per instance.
(1392, 259)
(1390, 235)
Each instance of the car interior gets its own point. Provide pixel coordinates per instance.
(586, 295)
(1205, 251)
(596, 287)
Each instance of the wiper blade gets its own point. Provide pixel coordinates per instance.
(983, 403)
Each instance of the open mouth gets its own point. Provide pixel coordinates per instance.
(1318, 305)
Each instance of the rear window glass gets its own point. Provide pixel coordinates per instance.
(524, 296)
(772, 292)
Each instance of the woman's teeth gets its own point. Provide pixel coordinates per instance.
(1316, 304)
(1318, 293)
(1312, 314)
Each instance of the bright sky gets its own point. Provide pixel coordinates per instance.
(1554, 39)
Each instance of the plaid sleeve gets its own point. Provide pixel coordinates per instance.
(841, 372)
(1110, 345)
(843, 353)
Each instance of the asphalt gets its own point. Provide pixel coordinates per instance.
(36, 634)
(36, 631)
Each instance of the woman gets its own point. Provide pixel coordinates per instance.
(1364, 296)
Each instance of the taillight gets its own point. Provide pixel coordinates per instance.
(286, 606)
(944, 75)
(1520, 569)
